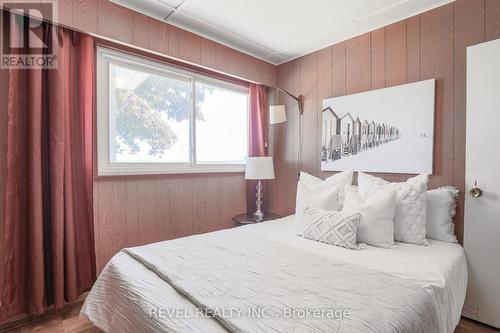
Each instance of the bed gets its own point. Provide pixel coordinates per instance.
(265, 278)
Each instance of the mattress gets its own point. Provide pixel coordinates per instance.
(126, 291)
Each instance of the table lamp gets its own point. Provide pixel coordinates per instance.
(259, 168)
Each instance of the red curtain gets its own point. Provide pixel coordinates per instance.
(48, 240)
(257, 134)
(258, 108)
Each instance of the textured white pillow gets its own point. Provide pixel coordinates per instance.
(324, 197)
(342, 179)
(441, 208)
(316, 185)
(410, 216)
(331, 227)
(377, 215)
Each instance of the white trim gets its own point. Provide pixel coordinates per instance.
(105, 167)
(116, 169)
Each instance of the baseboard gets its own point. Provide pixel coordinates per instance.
(478, 323)
(24, 320)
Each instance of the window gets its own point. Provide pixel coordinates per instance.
(153, 118)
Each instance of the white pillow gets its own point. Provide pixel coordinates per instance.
(410, 216)
(377, 214)
(331, 227)
(316, 185)
(441, 208)
(342, 179)
(324, 197)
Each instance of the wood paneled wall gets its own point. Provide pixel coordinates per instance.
(136, 210)
(131, 211)
(4, 81)
(430, 45)
(186, 46)
(108, 20)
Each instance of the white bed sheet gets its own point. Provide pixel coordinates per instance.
(126, 291)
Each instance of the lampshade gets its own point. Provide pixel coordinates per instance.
(277, 114)
(259, 168)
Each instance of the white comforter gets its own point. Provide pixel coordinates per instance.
(406, 289)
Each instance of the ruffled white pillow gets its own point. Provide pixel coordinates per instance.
(441, 208)
(410, 216)
(377, 215)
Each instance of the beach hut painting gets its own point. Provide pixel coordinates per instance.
(388, 130)
(364, 134)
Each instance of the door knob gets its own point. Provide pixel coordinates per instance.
(475, 192)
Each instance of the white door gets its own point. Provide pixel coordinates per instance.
(482, 213)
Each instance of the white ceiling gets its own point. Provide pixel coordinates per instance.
(280, 30)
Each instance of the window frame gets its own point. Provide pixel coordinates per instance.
(105, 167)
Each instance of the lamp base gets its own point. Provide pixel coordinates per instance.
(258, 215)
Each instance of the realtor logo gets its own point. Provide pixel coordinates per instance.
(26, 40)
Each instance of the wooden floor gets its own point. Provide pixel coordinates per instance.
(70, 322)
(469, 326)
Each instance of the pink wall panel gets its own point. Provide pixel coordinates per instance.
(181, 203)
(436, 35)
(174, 41)
(140, 33)
(165, 227)
(85, 15)
(378, 59)
(358, 61)
(206, 204)
(231, 198)
(147, 210)
(228, 60)
(4, 80)
(111, 220)
(190, 47)
(492, 24)
(325, 70)
(413, 49)
(65, 12)
(158, 36)
(308, 88)
(267, 73)
(115, 21)
(325, 89)
(208, 53)
(339, 69)
(395, 35)
(133, 221)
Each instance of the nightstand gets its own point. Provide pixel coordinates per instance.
(244, 219)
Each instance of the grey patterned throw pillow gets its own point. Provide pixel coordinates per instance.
(331, 227)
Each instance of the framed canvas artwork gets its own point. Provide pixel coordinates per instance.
(388, 130)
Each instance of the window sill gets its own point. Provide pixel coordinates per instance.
(130, 170)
